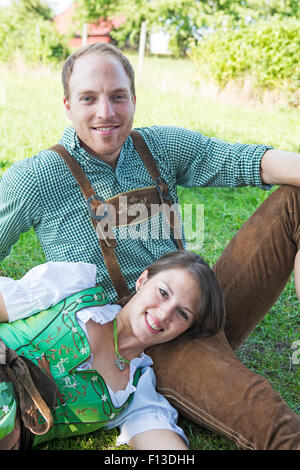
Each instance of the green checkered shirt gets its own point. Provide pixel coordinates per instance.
(41, 192)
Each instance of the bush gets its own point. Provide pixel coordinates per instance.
(33, 37)
(268, 52)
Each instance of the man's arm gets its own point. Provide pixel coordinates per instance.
(193, 160)
(19, 204)
(280, 167)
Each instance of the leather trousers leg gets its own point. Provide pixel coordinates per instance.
(203, 378)
(256, 265)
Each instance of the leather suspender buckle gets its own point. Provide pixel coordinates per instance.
(91, 212)
(107, 237)
(159, 184)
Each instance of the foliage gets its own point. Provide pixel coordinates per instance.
(187, 20)
(183, 19)
(134, 13)
(33, 7)
(281, 8)
(25, 28)
(267, 52)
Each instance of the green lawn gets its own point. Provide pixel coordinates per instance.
(32, 118)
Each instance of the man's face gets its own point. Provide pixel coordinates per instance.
(100, 105)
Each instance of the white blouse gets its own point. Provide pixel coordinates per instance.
(46, 285)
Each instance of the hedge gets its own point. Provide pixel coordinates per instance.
(268, 52)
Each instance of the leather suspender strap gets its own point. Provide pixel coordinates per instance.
(149, 162)
(161, 186)
(107, 245)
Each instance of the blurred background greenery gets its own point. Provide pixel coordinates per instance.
(250, 42)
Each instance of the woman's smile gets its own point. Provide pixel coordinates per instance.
(153, 324)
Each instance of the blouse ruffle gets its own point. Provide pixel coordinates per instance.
(45, 285)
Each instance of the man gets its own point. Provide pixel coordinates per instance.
(202, 377)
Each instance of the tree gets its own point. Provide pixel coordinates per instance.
(184, 19)
(133, 11)
(35, 8)
(26, 27)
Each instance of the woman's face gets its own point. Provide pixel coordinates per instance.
(164, 306)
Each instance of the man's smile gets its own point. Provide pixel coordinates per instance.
(105, 129)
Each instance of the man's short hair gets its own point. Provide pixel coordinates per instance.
(96, 48)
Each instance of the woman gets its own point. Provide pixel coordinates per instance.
(94, 352)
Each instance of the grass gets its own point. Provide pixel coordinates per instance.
(32, 118)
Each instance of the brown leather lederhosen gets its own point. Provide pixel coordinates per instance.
(156, 195)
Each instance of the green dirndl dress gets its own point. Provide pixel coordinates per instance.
(54, 341)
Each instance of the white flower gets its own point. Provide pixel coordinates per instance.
(5, 409)
(104, 397)
(74, 329)
(94, 378)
